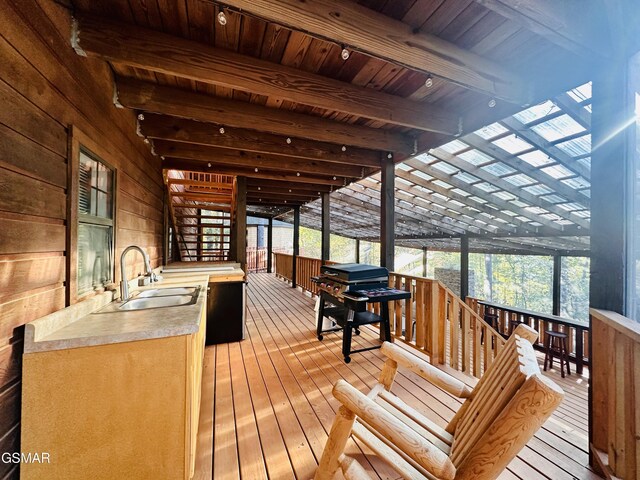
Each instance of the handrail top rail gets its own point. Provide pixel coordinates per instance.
(622, 324)
(544, 316)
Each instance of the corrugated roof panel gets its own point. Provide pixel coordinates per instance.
(446, 168)
(454, 146)
(577, 146)
(557, 128)
(538, 189)
(512, 144)
(487, 187)
(537, 112)
(583, 92)
(536, 158)
(520, 180)
(557, 171)
(498, 169)
(466, 177)
(476, 157)
(577, 183)
(504, 195)
(491, 131)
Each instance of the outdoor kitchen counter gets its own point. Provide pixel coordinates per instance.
(84, 324)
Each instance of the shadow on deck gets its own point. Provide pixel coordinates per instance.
(273, 405)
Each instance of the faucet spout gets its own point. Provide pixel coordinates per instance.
(124, 286)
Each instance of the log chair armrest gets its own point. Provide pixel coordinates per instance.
(430, 457)
(430, 373)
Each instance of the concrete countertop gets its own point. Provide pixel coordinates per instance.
(88, 324)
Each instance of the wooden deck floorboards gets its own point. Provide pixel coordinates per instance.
(273, 406)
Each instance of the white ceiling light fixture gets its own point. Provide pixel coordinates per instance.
(345, 54)
(222, 19)
(492, 103)
(221, 130)
(428, 82)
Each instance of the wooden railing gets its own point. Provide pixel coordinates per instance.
(257, 259)
(615, 394)
(306, 268)
(577, 331)
(435, 320)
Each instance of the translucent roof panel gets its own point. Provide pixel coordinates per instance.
(520, 180)
(476, 157)
(583, 92)
(498, 169)
(536, 158)
(557, 128)
(454, 146)
(491, 131)
(576, 146)
(512, 144)
(558, 171)
(536, 112)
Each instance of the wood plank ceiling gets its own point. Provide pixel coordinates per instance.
(266, 93)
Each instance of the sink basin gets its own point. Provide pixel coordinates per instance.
(158, 302)
(163, 292)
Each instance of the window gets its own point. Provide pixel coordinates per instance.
(95, 223)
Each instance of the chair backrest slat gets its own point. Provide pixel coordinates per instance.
(500, 384)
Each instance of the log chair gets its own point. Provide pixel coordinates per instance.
(499, 416)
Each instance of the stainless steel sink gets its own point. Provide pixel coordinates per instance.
(156, 298)
(157, 302)
(163, 292)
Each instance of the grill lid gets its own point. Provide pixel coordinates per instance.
(354, 271)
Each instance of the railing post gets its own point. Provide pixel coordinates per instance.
(325, 244)
(464, 267)
(357, 250)
(296, 245)
(557, 275)
(270, 246)
(424, 262)
(387, 206)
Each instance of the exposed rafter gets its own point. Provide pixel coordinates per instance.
(254, 160)
(517, 192)
(350, 24)
(547, 147)
(212, 167)
(521, 166)
(159, 52)
(150, 97)
(189, 131)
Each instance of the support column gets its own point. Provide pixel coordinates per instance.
(270, 246)
(241, 222)
(387, 215)
(464, 267)
(557, 275)
(610, 174)
(424, 262)
(325, 250)
(296, 245)
(357, 250)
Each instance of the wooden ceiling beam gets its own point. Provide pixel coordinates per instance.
(151, 97)
(575, 25)
(283, 191)
(148, 49)
(189, 131)
(254, 160)
(259, 182)
(224, 169)
(347, 23)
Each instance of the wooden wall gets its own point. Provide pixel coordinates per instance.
(44, 89)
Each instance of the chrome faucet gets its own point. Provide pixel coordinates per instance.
(124, 286)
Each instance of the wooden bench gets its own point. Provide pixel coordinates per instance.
(500, 415)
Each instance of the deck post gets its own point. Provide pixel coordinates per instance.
(325, 250)
(357, 250)
(424, 262)
(296, 245)
(270, 246)
(557, 274)
(241, 222)
(611, 171)
(464, 267)
(387, 220)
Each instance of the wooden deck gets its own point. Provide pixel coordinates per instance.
(273, 405)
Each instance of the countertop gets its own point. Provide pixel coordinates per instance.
(87, 324)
